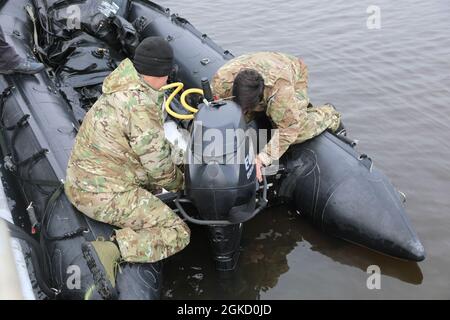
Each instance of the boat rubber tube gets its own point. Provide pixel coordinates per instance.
(36, 118)
(345, 195)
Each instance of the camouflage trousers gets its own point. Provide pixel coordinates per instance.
(150, 230)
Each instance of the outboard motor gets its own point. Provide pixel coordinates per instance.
(220, 178)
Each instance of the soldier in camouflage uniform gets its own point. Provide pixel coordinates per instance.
(121, 154)
(275, 83)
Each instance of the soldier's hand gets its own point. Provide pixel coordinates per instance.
(258, 165)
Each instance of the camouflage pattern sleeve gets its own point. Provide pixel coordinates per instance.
(147, 140)
(288, 112)
(318, 119)
(222, 84)
(286, 95)
(295, 122)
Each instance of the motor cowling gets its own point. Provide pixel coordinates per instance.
(220, 177)
(220, 173)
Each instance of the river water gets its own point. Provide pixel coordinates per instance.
(392, 85)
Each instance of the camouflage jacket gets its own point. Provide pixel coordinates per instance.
(121, 144)
(285, 99)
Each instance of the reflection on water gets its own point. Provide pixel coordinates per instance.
(268, 241)
(393, 88)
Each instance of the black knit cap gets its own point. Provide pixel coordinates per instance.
(154, 57)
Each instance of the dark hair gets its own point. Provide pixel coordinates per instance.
(248, 89)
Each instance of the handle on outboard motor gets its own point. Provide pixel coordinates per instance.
(262, 203)
(207, 90)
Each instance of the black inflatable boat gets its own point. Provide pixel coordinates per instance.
(324, 179)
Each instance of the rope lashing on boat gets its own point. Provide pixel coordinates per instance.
(13, 164)
(40, 266)
(21, 123)
(71, 70)
(40, 256)
(3, 145)
(178, 87)
(48, 212)
(3, 96)
(38, 155)
(37, 48)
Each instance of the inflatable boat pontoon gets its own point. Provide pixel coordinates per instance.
(325, 179)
